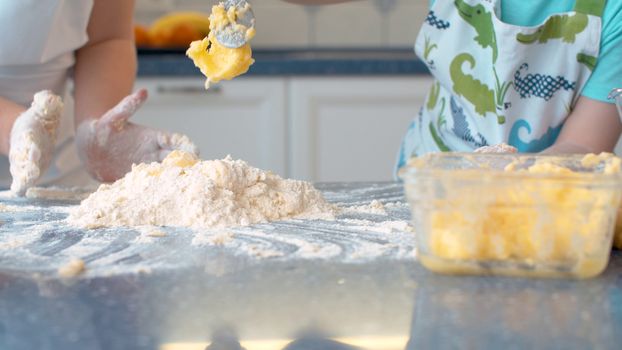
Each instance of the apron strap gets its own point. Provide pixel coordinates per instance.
(590, 7)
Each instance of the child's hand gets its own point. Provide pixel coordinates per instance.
(33, 136)
(498, 148)
(110, 145)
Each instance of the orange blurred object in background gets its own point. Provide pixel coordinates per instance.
(181, 35)
(173, 30)
(141, 36)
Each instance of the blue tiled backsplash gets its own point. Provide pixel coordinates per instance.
(367, 23)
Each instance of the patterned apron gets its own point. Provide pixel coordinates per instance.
(497, 82)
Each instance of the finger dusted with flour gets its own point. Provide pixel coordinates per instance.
(33, 137)
(108, 146)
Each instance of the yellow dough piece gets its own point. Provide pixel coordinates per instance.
(180, 159)
(72, 269)
(176, 158)
(559, 221)
(216, 61)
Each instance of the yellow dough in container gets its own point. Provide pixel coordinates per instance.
(514, 215)
(617, 239)
(216, 61)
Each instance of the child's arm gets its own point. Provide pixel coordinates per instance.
(105, 69)
(592, 127)
(106, 66)
(9, 111)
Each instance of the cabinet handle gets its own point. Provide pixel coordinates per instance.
(188, 89)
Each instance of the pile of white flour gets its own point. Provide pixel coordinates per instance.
(183, 191)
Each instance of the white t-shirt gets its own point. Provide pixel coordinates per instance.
(38, 40)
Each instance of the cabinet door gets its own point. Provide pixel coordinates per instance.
(350, 129)
(244, 118)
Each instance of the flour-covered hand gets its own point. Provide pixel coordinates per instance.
(33, 137)
(498, 148)
(108, 146)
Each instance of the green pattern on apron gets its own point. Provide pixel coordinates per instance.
(497, 82)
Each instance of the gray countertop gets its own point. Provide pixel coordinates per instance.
(392, 61)
(360, 280)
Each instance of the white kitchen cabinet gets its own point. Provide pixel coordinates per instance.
(244, 118)
(350, 129)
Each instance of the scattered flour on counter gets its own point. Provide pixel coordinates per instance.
(375, 207)
(183, 191)
(397, 205)
(353, 240)
(18, 205)
(12, 239)
(149, 234)
(36, 238)
(220, 238)
(58, 193)
(272, 244)
(386, 227)
(8, 208)
(258, 251)
(12, 243)
(155, 232)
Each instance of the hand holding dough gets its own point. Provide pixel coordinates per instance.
(33, 137)
(498, 148)
(110, 145)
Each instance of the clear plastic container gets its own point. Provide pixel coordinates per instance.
(616, 95)
(509, 214)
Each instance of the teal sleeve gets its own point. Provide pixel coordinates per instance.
(607, 74)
